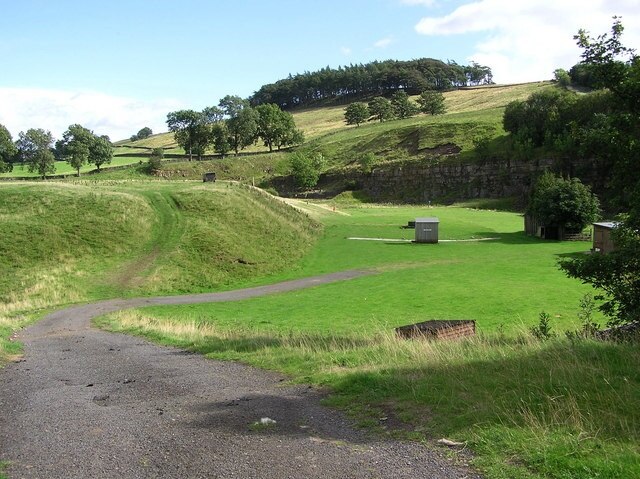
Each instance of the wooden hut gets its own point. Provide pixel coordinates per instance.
(602, 240)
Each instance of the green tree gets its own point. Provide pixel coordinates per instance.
(77, 155)
(381, 108)
(243, 129)
(100, 151)
(220, 135)
(145, 132)
(186, 127)
(565, 203)
(232, 105)
(75, 145)
(562, 77)
(154, 164)
(403, 106)
(431, 102)
(617, 274)
(356, 113)
(34, 148)
(275, 126)
(367, 162)
(306, 169)
(7, 150)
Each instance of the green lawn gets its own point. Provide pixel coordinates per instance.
(63, 168)
(529, 409)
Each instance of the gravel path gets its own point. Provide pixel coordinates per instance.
(85, 403)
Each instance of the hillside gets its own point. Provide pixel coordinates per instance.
(471, 113)
(68, 242)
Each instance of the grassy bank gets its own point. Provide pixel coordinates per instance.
(527, 409)
(69, 242)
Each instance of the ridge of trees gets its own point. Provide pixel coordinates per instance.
(232, 126)
(371, 79)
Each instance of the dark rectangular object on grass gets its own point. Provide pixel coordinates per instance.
(209, 177)
(439, 329)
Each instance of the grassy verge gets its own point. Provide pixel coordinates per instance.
(528, 409)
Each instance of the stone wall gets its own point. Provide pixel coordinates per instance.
(452, 181)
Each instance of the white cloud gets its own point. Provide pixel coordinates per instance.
(55, 110)
(346, 51)
(383, 42)
(526, 40)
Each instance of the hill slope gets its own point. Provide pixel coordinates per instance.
(69, 242)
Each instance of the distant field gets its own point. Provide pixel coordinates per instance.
(63, 168)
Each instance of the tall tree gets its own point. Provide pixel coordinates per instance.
(356, 113)
(243, 129)
(34, 148)
(275, 127)
(74, 146)
(185, 127)
(566, 203)
(232, 105)
(402, 105)
(100, 151)
(7, 150)
(220, 135)
(431, 102)
(617, 274)
(381, 108)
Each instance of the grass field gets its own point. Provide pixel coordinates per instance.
(63, 168)
(527, 408)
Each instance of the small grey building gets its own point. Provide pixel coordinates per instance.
(427, 230)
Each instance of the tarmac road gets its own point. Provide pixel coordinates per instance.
(84, 403)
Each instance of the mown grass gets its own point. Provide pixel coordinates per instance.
(528, 409)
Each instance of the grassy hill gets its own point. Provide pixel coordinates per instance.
(69, 242)
(471, 113)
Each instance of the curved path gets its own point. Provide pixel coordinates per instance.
(84, 403)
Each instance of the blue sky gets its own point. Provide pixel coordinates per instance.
(117, 66)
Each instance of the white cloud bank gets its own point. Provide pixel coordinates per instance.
(55, 110)
(526, 40)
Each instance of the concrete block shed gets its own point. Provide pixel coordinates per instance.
(427, 230)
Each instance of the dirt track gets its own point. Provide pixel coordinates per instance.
(90, 404)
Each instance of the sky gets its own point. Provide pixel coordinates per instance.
(117, 66)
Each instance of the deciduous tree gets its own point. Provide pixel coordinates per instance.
(566, 203)
(381, 108)
(403, 106)
(431, 102)
(34, 148)
(7, 150)
(356, 113)
(275, 127)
